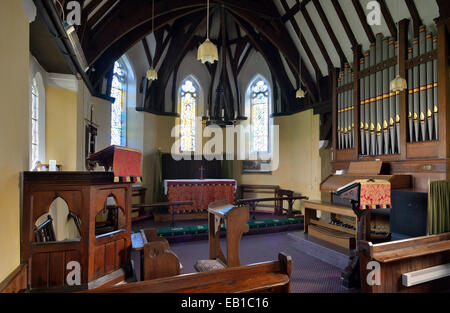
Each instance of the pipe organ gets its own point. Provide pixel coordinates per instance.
(423, 112)
(399, 128)
(346, 123)
(379, 107)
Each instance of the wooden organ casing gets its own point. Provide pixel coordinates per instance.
(424, 157)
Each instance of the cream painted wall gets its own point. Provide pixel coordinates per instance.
(300, 166)
(14, 124)
(61, 127)
(300, 163)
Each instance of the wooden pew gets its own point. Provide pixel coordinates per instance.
(401, 260)
(156, 258)
(261, 277)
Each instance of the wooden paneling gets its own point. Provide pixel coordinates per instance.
(110, 255)
(39, 270)
(85, 194)
(56, 277)
(120, 253)
(99, 261)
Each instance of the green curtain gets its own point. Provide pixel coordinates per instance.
(439, 207)
(158, 192)
(227, 169)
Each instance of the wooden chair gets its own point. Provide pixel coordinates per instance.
(45, 231)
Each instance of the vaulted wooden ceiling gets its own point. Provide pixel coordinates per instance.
(319, 33)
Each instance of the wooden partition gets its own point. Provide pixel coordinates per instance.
(408, 142)
(49, 263)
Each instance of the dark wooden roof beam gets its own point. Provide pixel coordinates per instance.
(388, 18)
(304, 43)
(330, 31)
(363, 19)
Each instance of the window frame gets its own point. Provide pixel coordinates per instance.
(37, 82)
(197, 92)
(249, 105)
(124, 90)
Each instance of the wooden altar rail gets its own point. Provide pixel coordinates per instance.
(260, 189)
(261, 277)
(174, 205)
(253, 202)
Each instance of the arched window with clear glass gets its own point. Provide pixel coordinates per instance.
(118, 109)
(34, 123)
(259, 94)
(188, 106)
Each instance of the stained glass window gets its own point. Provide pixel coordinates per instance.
(188, 98)
(259, 105)
(34, 123)
(118, 109)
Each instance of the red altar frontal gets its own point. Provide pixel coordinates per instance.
(201, 192)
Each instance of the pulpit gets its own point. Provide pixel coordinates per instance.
(95, 251)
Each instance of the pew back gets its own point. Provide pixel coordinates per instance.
(262, 277)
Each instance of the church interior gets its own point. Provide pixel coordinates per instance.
(223, 146)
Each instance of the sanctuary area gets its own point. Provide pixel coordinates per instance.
(224, 146)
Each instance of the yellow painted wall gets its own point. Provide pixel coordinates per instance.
(300, 166)
(61, 127)
(14, 125)
(300, 163)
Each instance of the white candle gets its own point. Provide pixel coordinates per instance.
(223, 112)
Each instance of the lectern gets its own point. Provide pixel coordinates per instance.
(364, 195)
(235, 219)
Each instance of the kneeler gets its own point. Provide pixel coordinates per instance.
(235, 219)
(364, 195)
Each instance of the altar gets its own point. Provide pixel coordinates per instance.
(200, 191)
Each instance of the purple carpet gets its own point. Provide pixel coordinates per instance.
(309, 275)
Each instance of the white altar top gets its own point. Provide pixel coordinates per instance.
(167, 181)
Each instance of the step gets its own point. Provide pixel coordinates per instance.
(322, 250)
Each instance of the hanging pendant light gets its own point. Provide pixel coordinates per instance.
(152, 74)
(399, 83)
(300, 94)
(207, 52)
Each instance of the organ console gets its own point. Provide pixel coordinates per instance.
(348, 223)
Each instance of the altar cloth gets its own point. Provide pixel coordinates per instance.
(200, 191)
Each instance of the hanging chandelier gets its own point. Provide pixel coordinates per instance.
(207, 52)
(152, 74)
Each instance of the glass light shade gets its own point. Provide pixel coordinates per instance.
(207, 52)
(152, 74)
(398, 84)
(300, 94)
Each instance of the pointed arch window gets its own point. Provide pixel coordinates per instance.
(118, 109)
(34, 123)
(259, 94)
(188, 106)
